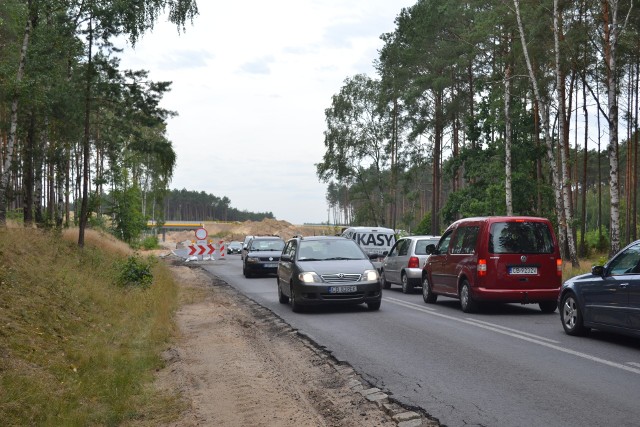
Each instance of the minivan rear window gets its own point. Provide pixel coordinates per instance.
(520, 238)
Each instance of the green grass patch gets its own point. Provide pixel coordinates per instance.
(77, 347)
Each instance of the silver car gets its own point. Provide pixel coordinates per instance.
(403, 264)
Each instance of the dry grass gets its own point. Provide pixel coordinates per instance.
(75, 349)
(585, 266)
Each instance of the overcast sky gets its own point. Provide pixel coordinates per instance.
(251, 81)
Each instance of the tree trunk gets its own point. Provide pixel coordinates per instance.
(507, 130)
(13, 127)
(634, 229)
(544, 116)
(86, 143)
(610, 16)
(27, 208)
(583, 219)
(563, 140)
(437, 144)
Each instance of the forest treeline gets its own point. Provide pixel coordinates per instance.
(81, 138)
(494, 107)
(83, 141)
(185, 205)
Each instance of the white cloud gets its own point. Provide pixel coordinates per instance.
(251, 81)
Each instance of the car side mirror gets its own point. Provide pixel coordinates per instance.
(430, 249)
(597, 270)
(385, 253)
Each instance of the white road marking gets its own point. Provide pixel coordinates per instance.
(517, 334)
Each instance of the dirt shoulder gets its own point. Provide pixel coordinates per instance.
(236, 363)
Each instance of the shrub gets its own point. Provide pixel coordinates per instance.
(150, 242)
(425, 225)
(136, 271)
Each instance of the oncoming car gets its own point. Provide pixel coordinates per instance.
(234, 247)
(262, 256)
(327, 270)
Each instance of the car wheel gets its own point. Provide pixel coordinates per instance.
(373, 306)
(383, 280)
(282, 298)
(548, 306)
(427, 295)
(245, 271)
(295, 305)
(467, 303)
(571, 315)
(407, 286)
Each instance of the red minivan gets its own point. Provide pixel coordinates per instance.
(499, 258)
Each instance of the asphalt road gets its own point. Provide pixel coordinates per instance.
(510, 365)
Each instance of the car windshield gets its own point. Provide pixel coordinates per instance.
(520, 238)
(324, 250)
(267, 245)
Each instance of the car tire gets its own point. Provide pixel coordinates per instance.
(571, 315)
(467, 303)
(427, 294)
(374, 306)
(548, 306)
(245, 271)
(282, 298)
(407, 285)
(383, 281)
(295, 305)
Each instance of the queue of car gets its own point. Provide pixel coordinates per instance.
(476, 260)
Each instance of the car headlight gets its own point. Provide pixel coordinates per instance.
(370, 275)
(252, 259)
(309, 277)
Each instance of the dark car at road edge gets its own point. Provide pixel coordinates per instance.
(607, 299)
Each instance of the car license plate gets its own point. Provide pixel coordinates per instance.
(271, 265)
(342, 289)
(523, 270)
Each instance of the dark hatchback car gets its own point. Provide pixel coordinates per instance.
(608, 298)
(327, 270)
(262, 256)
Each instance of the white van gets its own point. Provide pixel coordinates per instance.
(373, 240)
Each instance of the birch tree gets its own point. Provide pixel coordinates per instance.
(543, 105)
(564, 162)
(611, 34)
(13, 127)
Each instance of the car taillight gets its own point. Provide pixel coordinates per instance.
(414, 262)
(559, 267)
(482, 267)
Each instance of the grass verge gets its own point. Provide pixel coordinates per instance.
(75, 347)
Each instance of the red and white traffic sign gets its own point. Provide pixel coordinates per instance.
(201, 234)
(201, 249)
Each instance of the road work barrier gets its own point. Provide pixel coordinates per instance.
(202, 250)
